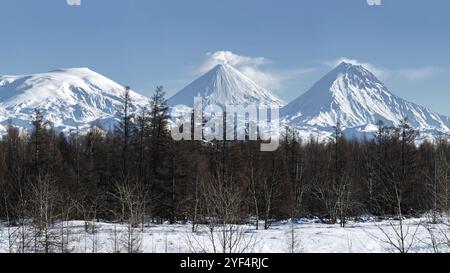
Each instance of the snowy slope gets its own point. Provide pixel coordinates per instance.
(225, 85)
(68, 99)
(311, 236)
(354, 97)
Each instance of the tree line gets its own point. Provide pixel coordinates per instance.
(136, 174)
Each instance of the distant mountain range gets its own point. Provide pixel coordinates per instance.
(349, 95)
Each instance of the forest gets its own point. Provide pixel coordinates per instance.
(135, 174)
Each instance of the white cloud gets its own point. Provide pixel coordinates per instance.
(374, 2)
(220, 57)
(253, 67)
(414, 73)
(73, 2)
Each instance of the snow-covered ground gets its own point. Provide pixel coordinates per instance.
(309, 236)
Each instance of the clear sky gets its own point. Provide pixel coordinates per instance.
(285, 45)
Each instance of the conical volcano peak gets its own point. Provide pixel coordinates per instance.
(345, 65)
(348, 65)
(224, 85)
(350, 75)
(354, 69)
(354, 97)
(223, 68)
(220, 66)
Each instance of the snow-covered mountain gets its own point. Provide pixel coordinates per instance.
(349, 94)
(354, 97)
(225, 85)
(68, 99)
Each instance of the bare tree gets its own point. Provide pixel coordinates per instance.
(89, 210)
(65, 229)
(438, 178)
(224, 230)
(132, 198)
(253, 178)
(197, 197)
(293, 240)
(400, 235)
(44, 197)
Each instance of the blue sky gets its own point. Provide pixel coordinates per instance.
(285, 45)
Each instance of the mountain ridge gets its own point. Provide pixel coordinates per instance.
(70, 99)
(355, 98)
(351, 95)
